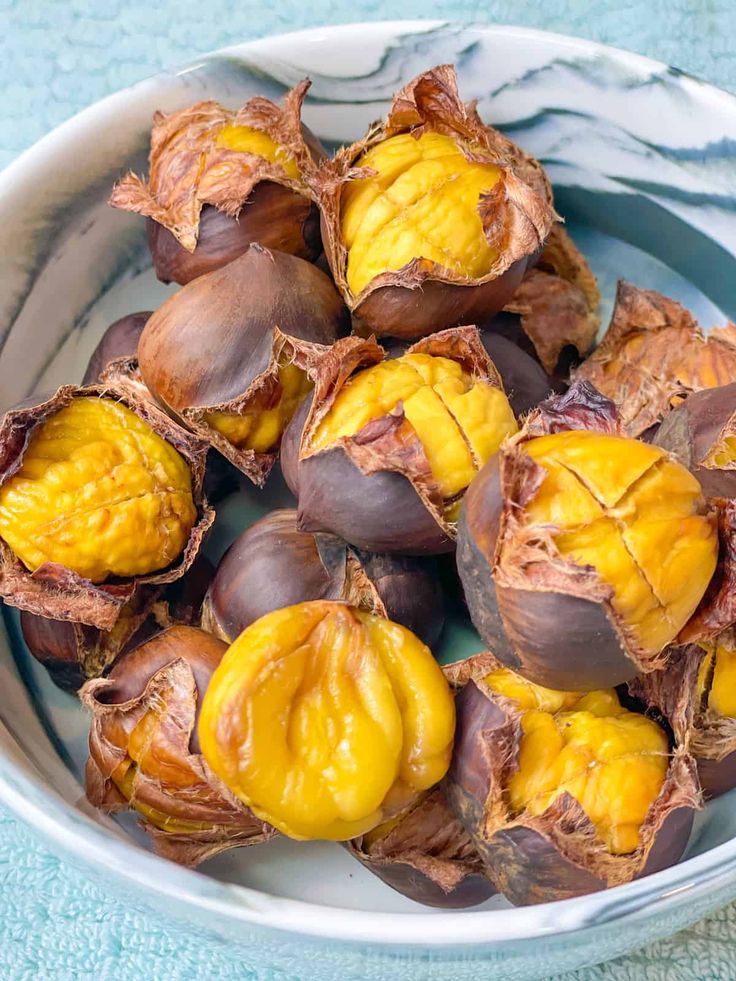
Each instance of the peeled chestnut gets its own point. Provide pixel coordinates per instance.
(383, 452)
(583, 553)
(653, 354)
(145, 753)
(701, 433)
(74, 652)
(426, 854)
(120, 340)
(564, 792)
(431, 219)
(327, 721)
(220, 181)
(272, 565)
(232, 353)
(100, 493)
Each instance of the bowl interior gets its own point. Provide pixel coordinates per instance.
(643, 165)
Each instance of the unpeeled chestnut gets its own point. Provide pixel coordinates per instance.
(120, 340)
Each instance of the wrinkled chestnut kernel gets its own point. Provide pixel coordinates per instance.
(145, 754)
(383, 452)
(231, 354)
(220, 181)
(654, 354)
(524, 380)
(100, 493)
(435, 166)
(557, 302)
(564, 793)
(273, 565)
(327, 721)
(120, 340)
(426, 854)
(583, 553)
(701, 433)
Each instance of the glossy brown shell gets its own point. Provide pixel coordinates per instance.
(172, 669)
(206, 204)
(273, 565)
(558, 854)
(214, 344)
(652, 354)
(375, 490)
(53, 590)
(428, 856)
(120, 340)
(517, 215)
(696, 431)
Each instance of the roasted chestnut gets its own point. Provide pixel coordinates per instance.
(717, 609)
(583, 553)
(100, 493)
(382, 454)
(326, 721)
(74, 652)
(524, 380)
(557, 302)
(144, 749)
(272, 565)
(231, 353)
(426, 854)
(221, 180)
(701, 433)
(563, 792)
(120, 340)
(431, 219)
(653, 354)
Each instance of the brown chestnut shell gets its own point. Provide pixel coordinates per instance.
(517, 215)
(53, 590)
(558, 854)
(120, 340)
(428, 856)
(207, 204)
(168, 676)
(214, 345)
(653, 354)
(273, 565)
(375, 489)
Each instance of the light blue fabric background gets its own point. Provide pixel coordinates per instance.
(57, 56)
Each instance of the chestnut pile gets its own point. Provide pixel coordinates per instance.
(455, 449)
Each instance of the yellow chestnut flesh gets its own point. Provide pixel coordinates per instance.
(717, 677)
(637, 517)
(612, 761)
(99, 493)
(260, 426)
(245, 139)
(326, 721)
(459, 421)
(422, 202)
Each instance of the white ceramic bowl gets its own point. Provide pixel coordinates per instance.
(644, 168)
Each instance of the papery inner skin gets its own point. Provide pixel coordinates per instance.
(261, 423)
(460, 422)
(612, 761)
(326, 720)
(619, 505)
(98, 492)
(245, 139)
(421, 203)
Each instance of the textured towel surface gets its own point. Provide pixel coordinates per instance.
(61, 55)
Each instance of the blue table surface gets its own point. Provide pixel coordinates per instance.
(58, 56)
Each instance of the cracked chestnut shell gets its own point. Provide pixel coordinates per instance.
(220, 181)
(273, 565)
(701, 433)
(555, 849)
(653, 355)
(404, 285)
(387, 486)
(72, 653)
(145, 753)
(562, 543)
(232, 353)
(62, 592)
(426, 854)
